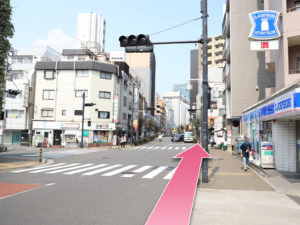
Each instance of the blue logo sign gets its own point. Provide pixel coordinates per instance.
(264, 25)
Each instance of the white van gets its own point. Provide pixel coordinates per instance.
(188, 137)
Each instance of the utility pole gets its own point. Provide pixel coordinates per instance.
(131, 139)
(82, 123)
(204, 136)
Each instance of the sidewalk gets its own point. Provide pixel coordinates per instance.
(236, 197)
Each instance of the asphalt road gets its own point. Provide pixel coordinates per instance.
(110, 187)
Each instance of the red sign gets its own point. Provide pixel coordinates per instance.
(264, 45)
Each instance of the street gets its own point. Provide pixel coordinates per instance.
(116, 186)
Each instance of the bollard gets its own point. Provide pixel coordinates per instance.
(41, 153)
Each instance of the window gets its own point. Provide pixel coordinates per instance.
(48, 94)
(47, 112)
(49, 74)
(103, 115)
(82, 73)
(79, 93)
(80, 58)
(106, 76)
(63, 112)
(14, 113)
(125, 102)
(78, 112)
(104, 94)
(70, 57)
(124, 116)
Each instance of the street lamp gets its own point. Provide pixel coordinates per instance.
(82, 124)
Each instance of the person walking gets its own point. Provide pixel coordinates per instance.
(246, 148)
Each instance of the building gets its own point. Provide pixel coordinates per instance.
(182, 89)
(59, 101)
(244, 73)
(19, 109)
(91, 29)
(275, 119)
(194, 74)
(160, 113)
(142, 67)
(178, 104)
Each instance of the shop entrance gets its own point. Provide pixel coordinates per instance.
(57, 137)
(16, 138)
(298, 146)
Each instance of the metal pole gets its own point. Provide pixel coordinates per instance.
(205, 91)
(82, 123)
(131, 139)
(3, 105)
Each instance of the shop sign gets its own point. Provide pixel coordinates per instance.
(85, 133)
(267, 155)
(102, 126)
(116, 109)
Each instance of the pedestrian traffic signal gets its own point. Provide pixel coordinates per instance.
(89, 123)
(139, 43)
(1, 115)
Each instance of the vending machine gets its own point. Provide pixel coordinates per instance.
(267, 155)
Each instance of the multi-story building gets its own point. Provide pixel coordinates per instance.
(91, 31)
(142, 67)
(244, 73)
(275, 119)
(160, 113)
(19, 110)
(60, 87)
(178, 104)
(182, 89)
(194, 75)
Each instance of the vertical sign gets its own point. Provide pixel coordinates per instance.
(116, 107)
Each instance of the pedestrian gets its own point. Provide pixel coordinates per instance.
(115, 140)
(245, 152)
(212, 141)
(123, 141)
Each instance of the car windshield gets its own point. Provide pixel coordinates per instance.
(178, 135)
(188, 134)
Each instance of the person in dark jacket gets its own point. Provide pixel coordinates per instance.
(246, 148)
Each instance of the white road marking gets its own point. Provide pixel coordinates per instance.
(70, 168)
(155, 172)
(137, 147)
(177, 148)
(170, 147)
(50, 184)
(54, 168)
(85, 169)
(183, 148)
(150, 147)
(157, 148)
(119, 170)
(139, 170)
(163, 147)
(170, 175)
(101, 170)
(35, 168)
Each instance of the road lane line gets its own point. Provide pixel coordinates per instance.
(69, 168)
(150, 147)
(177, 148)
(119, 170)
(54, 168)
(170, 175)
(139, 170)
(143, 147)
(157, 148)
(101, 170)
(85, 169)
(36, 168)
(183, 148)
(170, 147)
(163, 147)
(155, 172)
(137, 147)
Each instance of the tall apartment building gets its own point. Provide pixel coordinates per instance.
(244, 72)
(160, 113)
(182, 89)
(275, 119)
(215, 60)
(19, 110)
(142, 67)
(91, 31)
(59, 100)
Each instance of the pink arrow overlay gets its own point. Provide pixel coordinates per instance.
(175, 204)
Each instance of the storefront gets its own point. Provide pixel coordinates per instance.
(273, 127)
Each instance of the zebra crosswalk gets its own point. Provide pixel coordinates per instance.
(105, 170)
(161, 147)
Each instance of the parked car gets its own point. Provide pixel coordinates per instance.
(188, 137)
(177, 138)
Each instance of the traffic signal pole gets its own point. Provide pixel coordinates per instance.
(204, 136)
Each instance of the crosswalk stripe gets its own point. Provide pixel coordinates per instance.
(157, 148)
(155, 172)
(170, 175)
(170, 147)
(85, 169)
(150, 147)
(139, 170)
(101, 170)
(69, 168)
(35, 168)
(177, 148)
(137, 147)
(53, 168)
(163, 147)
(119, 170)
(143, 147)
(183, 148)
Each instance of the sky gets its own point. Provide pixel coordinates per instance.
(53, 23)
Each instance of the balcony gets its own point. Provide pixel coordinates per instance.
(226, 50)
(291, 25)
(293, 60)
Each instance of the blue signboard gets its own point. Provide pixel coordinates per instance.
(264, 25)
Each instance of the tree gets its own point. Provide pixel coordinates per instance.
(6, 32)
(180, 129)
(196, 127)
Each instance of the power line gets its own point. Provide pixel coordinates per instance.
(178, 25)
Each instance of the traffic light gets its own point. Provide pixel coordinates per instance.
(209, 98)
(13, 92)
(139, 43)
(1, 115)
(89, 123)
